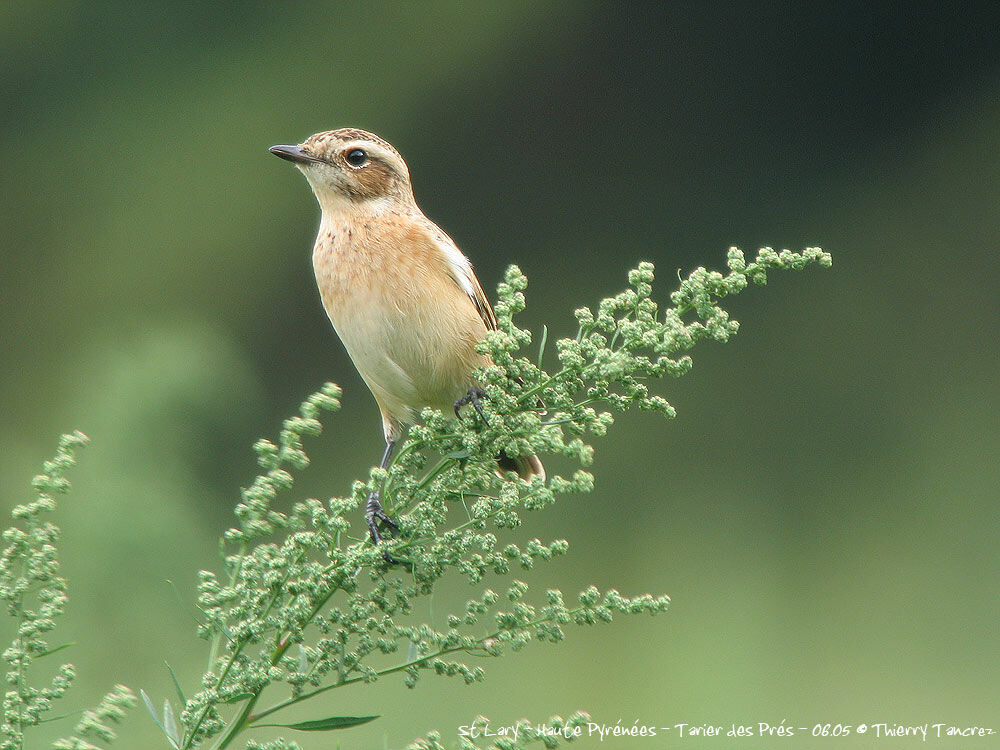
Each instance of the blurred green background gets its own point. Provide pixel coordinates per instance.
(823, 510)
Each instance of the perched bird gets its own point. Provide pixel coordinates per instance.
(400, 294)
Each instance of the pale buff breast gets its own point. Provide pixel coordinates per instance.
(406, 323)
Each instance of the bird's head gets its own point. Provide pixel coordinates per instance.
(350, 166)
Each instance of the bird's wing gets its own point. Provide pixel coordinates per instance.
(465, 277)
(482, 303)
(461, 271)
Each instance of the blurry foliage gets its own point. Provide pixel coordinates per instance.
(35, 595)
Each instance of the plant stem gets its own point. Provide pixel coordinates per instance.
(239, 723)
(391, 670)
(244, 718)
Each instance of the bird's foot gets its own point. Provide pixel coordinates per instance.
(374, 513)
(474, 397)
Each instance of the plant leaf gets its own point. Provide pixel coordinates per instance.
(238, 697)
(152, 710)
(57, 718)
(324, 725)
(177, 685)
(184, 605)
(51, 651)
(170, 724)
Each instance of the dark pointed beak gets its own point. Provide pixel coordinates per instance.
(295, 154)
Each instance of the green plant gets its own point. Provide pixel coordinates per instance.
(304, 602)
(36, 595)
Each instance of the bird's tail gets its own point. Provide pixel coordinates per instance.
(525, 466)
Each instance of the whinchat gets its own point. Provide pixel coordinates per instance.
(401, 295)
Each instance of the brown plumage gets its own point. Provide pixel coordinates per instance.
(402, 297)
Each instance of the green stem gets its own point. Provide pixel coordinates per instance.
(410, 447)
(398, 668)
(460, 527)
(213, 651)
(438, 468)
(313, 693)
(239, 723)
(188, 743)
(244, 718)
(21, 678)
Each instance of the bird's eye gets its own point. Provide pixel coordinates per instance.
(357, 157)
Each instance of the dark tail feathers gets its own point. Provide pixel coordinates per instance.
(525, 466)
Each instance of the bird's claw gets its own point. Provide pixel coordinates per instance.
(474, 397)
(374, 512)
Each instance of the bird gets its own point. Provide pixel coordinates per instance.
(402, 297)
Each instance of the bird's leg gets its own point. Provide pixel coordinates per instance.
(375, 513)
(474, 396)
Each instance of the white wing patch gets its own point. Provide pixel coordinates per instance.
(461, 270)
